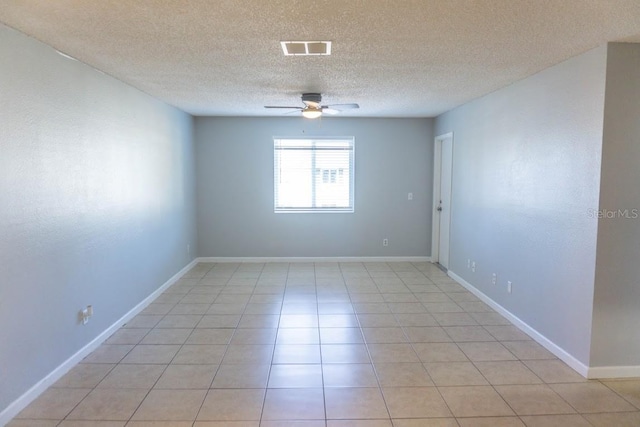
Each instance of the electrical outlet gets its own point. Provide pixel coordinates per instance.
(385, 242)
(85, 314)
(509, 286)
(473, 266)
(410, 196)
(494, 278)
(468, 263)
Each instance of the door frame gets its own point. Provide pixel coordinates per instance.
(437, 178)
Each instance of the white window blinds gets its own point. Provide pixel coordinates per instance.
(313, 175)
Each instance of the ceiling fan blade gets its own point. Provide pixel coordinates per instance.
(341, 107)
(330, 111)
(281, 106)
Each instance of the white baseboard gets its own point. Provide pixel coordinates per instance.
(317, 259)
(602, 372)
(30, 395)
(574, 363)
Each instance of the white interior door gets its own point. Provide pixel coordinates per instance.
(442, 199)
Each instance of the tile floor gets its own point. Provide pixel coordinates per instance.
(325, 344)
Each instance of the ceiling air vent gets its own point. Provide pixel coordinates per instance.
(291, 48)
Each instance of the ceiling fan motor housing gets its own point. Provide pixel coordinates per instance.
(315, 98)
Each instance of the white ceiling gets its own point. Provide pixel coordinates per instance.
(402, 58)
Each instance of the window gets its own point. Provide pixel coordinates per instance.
(313, 175)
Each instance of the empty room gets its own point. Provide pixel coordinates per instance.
(320, 214)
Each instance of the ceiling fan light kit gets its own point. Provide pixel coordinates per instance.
(312, 106)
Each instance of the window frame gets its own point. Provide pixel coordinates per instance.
(351, 176)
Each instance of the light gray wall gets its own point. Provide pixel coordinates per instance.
(616, 341)
(234, 165)
(526, 174)
(96, 205)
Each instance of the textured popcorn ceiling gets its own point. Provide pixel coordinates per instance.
(402, 58)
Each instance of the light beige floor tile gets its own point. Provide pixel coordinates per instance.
(490, 422)
(485, 351)
(338, 321)
(187, 377)
(159, 424)
(433, 297)
(415, 402)
(553, 371)
(54, 403)
(439, 352)
(403, 294)
(370, 296)
(219, 321)
(374, 320)
(294, 404)
(32, 423)
(384, 335)
(108, 404)
(344, 353)
(226, 309)
(226, 424)
(241, 376)
(443, 307)
(574, 420)
(487, 319)
(179, 321)
(475, 307)
(408, 307)
(507, 333)
(268, 308)
(303, 353)
(286, 423)
(84, 375)
(359, 423)
(128, 336)
(386, 353)
(425, 422)
(82, 423)
(254, 336)
(403, 375)
(298, 336)
(295, 376)
(248, 353)
(534, 400)
(507, 372)
(108, 353)
(151, 354)
(415, 319)
(132, 376)
(475, 401)
(335, 308)
(468, 333)
(455, 374)
(166, 336)
(349, 375)
(528, 350)
(592, 397)
(200, 355)
(620, 419)
(341, 336)
(254, 321)
(299, 321)
(170, 405)
(210, 336)
(454, 319)
(355, 403)
(371, 307)
(629, 389)
(230, 405)
(426, 334)
(189, 308)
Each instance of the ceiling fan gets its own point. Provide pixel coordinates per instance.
(312, 106)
